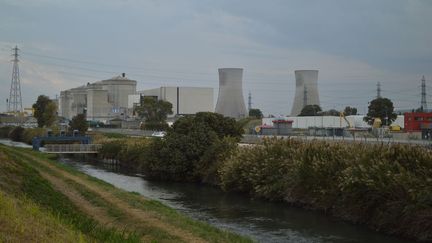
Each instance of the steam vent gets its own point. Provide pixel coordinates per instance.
(306, 90)
(230, 99)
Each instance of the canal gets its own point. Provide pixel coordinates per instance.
(262, 220)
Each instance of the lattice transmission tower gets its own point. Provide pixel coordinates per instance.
(15, 100)
(423, 94)
(250, 101)
(378, 90)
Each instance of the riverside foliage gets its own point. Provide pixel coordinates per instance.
(387, 187)
(191, 150)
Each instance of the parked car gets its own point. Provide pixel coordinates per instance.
(159, 134)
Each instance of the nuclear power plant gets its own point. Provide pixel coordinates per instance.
(184, 100)
(306, 90)
(100, 101)
(230, 100)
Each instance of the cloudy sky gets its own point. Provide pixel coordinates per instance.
(353, 44)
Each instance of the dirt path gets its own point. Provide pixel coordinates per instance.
(134, 214)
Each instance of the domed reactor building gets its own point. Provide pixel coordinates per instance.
(230, 100)
(306, 90)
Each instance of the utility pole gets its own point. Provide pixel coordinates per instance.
(423, 95)
(305, 99)
(15, 100)
(378, 90)
(249, 101)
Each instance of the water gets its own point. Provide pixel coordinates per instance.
(9, 142)
(262, 220)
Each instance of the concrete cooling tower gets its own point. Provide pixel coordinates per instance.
(306, 90)
(230, 99)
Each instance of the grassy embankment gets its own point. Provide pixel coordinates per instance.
(41, 200)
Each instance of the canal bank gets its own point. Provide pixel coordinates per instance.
(92, 210)
(262, 220)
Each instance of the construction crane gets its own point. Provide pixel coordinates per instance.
(342, 115)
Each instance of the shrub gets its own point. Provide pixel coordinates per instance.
(17, 134)
(30, 133)
(4, 131)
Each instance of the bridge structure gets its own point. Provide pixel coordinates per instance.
(65, 144)
(72, 148)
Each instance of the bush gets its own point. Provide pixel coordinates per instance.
(30, 133)
(17, 134)
(4, 131)
(111, 150)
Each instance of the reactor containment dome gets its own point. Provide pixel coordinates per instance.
(230, 100)
(306, 90)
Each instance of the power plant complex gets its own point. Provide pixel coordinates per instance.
(100, 101)
(230, 100)
(306, 92)
(117, 97)
(184, 100)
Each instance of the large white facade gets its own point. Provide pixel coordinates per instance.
(230, 100)
(306, 92)
(101, 101)
(185, 100)
(304, 122)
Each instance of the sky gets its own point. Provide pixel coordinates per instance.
(353, 44)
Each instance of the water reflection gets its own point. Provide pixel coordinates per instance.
(262, 220)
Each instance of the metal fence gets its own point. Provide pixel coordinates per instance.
(72, 148)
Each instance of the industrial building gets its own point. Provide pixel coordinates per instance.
(100, 101)
(230, 100)
(305, 122)
(185, 100)
(306, 92)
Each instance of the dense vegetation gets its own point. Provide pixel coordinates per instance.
(45, 111)
(191, 150)
(386, 187)
(154, 112)
(19, 134)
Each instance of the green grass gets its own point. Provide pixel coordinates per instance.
(114, 135)
(40, 191)
(22, 220)
(30, 184)
(202, 229)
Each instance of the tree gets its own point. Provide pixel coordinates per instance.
(350, 111)
(154, 112)
(255, 113)
(310, 110)
(45, 111)
(192, 148)
(381, 108)
(331, 112)
(79, 122)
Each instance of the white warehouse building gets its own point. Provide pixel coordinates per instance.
(304, 122)
(100, 101)
(184, 100)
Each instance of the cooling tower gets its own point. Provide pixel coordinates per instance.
(306, 90)
(230, 99)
